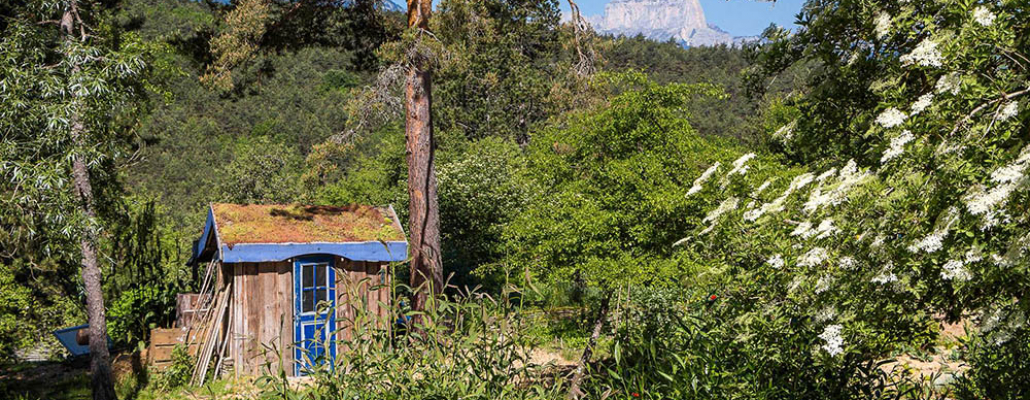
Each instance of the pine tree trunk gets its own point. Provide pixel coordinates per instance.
(424, 214)
(101, 381)
(100, 360)
(584, 361)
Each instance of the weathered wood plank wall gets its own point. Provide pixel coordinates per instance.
(261, 308)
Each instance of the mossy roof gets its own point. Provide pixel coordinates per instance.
(296, 223)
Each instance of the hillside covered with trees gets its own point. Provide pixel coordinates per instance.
(837, 212)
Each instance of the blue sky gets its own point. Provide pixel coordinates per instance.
(738, 17)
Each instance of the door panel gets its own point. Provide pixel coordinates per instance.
(314, 312)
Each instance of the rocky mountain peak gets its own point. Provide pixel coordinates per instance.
(661, 20)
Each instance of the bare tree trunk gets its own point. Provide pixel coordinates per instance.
(424, 214)
(584, 360)
(101, 380)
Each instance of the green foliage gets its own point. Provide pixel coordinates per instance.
(685, 344)
(133, 314)
(476, 350)
(1000, 366)
(495, 78)
(480, 193)
(178, 373)
(261, 171)
(609, 189)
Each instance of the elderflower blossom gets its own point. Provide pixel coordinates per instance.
(786, 132)
(931, 243)
(823, 284)
(973, 256)
(986, 202)
(739, 167)
(1008, 173)
(955, 269)
(897, 146)
(847, 263)
(1011, 109)
(761, 188)
(825, 314)
(775, 261)
(777, 205)
(834, 342)
(883, 25)
(885, 277)
(922, 103)
(983, 16)
(826, 175)
(950, 83)
(702, 179)
(891, 117)
(925, 54)
(813, 257)
(826, 229)
(727, 205)
(804, 230)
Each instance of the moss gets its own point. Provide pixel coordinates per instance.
(303, 224)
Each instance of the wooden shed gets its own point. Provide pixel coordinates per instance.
(279, 269)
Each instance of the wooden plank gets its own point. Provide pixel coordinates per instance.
(163, 353)
(284, 297)
(269, 318)
(384, 295)
(237, 334)
(253, 321)
(162, 336)
(371, 295)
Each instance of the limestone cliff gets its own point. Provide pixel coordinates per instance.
(681, 20)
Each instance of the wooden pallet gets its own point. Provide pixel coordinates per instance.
(163, 342)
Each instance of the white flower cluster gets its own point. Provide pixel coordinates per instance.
(702, 179)
(955, 269)
(776, 205)
(834, 342)
(824, 230)
(823, 284)
(897, 146)
(825, 314)
(949, 83)
(775, 261)
(847, 263)
(987, 202)
(813, 257)
(786, 132)
(886, 276)
(729, 204)
(891, 117)
(925, 54)
(883, 25)
(983, 16)
(929, 244)
(739, 166)
(849, 177)
(922, 103)
(761, 188)
(1011, 109)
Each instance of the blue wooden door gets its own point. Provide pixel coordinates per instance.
(314, 312)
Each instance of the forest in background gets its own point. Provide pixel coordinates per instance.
(580, 186)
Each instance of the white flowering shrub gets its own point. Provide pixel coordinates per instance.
(925, 105)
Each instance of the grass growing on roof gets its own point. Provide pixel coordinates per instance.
(303, 224)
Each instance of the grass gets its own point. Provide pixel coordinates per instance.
(69, 380)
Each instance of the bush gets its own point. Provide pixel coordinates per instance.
(137, 311)
(179, 372)
(474, 348)
(1000, 361)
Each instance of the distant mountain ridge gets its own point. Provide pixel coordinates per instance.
(681, 20)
